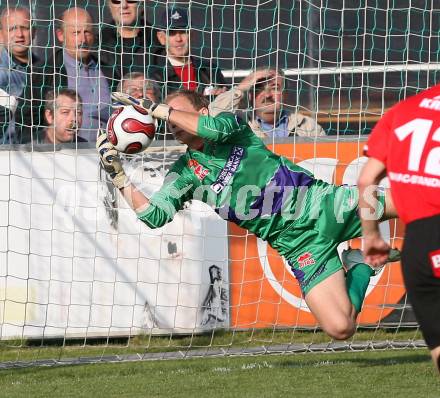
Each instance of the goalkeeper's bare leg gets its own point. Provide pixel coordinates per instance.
(330, 301)
(330, 304)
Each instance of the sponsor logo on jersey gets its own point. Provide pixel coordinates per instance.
(305, 259)
(229, 169)
(198, 169)
(435, 262)
(415, 179)
(300, 275)
(431, 103)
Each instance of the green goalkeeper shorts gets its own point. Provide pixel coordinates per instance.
(311, 245)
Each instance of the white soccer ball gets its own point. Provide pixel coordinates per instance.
(131, 129)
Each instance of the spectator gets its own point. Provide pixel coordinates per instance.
(16, 61)
(76, 67)
(139, 87)
(174, 66)
(128, 42)
(63, 116)
(266, 91)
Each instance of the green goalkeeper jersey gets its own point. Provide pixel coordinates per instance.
(242, 180)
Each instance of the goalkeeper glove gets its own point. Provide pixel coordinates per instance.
(158, 111)
(111, 161)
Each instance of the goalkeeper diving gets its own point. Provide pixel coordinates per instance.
(228, 167)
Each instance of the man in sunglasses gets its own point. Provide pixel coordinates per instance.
(174, 67)
(129, 41)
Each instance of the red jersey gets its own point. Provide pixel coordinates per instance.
(187, 75)
(407, 140)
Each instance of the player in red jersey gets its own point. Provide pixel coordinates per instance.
(405, 146)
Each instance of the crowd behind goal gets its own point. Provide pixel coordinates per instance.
(63, 95)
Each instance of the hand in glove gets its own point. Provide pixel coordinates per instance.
(110, 161)
(158, 111)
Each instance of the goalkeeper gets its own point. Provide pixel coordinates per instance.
(229, 167)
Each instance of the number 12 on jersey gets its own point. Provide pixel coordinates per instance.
(419, 130)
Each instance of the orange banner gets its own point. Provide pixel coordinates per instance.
(264, 293)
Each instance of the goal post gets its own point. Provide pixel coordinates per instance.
(81, 277)
(78, 266)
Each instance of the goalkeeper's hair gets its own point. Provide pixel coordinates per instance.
(197, 100)
(50, 98)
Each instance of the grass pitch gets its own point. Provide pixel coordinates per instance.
(405, 373)
(51, 349)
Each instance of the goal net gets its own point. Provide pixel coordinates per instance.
(81, 279)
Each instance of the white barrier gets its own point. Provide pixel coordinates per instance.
(72, 266)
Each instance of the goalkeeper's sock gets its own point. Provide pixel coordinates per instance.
(357, 280)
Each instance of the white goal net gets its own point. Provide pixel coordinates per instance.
(81, 277)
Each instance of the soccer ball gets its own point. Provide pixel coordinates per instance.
(130, 129)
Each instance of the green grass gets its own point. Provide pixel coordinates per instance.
(404, 373)
(23, 350)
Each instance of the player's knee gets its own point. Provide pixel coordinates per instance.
(341, 330)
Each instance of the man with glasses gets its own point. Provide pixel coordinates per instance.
(265, 90)
(128, 42)
(136, 85)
